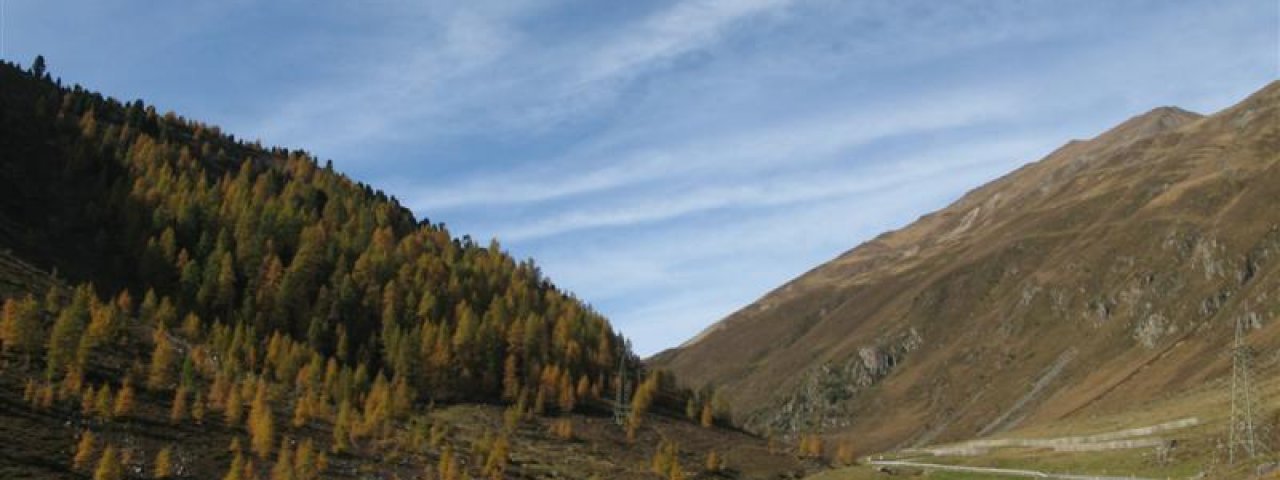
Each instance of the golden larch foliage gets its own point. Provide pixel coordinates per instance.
(284, 467)
(109, 466)
(84, 451)
(164, 463)
(261, 423)
(124, 401)
(178, 410)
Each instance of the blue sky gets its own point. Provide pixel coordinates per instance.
(667, 161)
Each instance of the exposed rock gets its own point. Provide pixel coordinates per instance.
(822, 401)
(1151, 329)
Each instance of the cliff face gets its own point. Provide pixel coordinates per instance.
(1035, 297)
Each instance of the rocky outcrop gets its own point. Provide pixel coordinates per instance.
(823, 400)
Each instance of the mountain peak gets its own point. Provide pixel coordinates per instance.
(1158, 120)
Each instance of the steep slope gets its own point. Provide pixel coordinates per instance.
(168, 288)
(1110, 271)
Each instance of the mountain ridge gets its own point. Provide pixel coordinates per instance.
(1035, 245)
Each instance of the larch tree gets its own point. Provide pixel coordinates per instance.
(103, 402)
(237, 468)
(495, 465)
(198, 408)
(342, 428)
(261, 423)
(109, 466)
(84, 451)
(714, 463)
(284, 468)
(103, 325)
(20, 327)
(124, 401)
(305, 461)
(178, 410)
(164, 463)
(566, 400)
(233, 407)
(64, 338)
(163, 361)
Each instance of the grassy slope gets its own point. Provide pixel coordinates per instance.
(1200, 448)
(1081, 252)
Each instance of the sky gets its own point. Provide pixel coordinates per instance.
(667, 161)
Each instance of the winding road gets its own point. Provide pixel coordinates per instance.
(1007, 472)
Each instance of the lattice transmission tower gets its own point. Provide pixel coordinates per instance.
(1246, 439)
(622, 394)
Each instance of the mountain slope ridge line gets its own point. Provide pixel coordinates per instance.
(1128, 247)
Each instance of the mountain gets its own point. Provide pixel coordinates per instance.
(178, 303)
(1108, 273)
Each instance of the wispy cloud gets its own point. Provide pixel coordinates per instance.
(683, 28)
(783, 188)
(793, 143)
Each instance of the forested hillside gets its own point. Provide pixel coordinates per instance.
(230, 288)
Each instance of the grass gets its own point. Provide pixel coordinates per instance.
(1200, 448)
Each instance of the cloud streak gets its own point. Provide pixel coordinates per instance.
(782, 189)
(795, 144)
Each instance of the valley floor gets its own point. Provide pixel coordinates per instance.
(1182, 436)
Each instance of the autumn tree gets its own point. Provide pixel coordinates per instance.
(164, 463)
(178, 410)
(163, 357)
(20, 327)
(641, 401)
(104, 323)
(233, 407)
(511, 377)
(448, 467)
(377, 407)
(198, 408)
(109, 466)
(124, 401)
(87, 398)
(84, 451)
(495, 465)
(284, 467)
(236, 470)
(64, 338)
(306, 464)
(562, 429)
(566, 401)
(261, 424)
(104, 402)
(666, 460)
(342, 428)
(714, 462)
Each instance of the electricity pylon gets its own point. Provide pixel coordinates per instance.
(1246, 438)
(622, 395)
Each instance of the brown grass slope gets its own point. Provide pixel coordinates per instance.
(1109, 272)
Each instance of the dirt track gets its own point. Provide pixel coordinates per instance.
(1007, 472)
